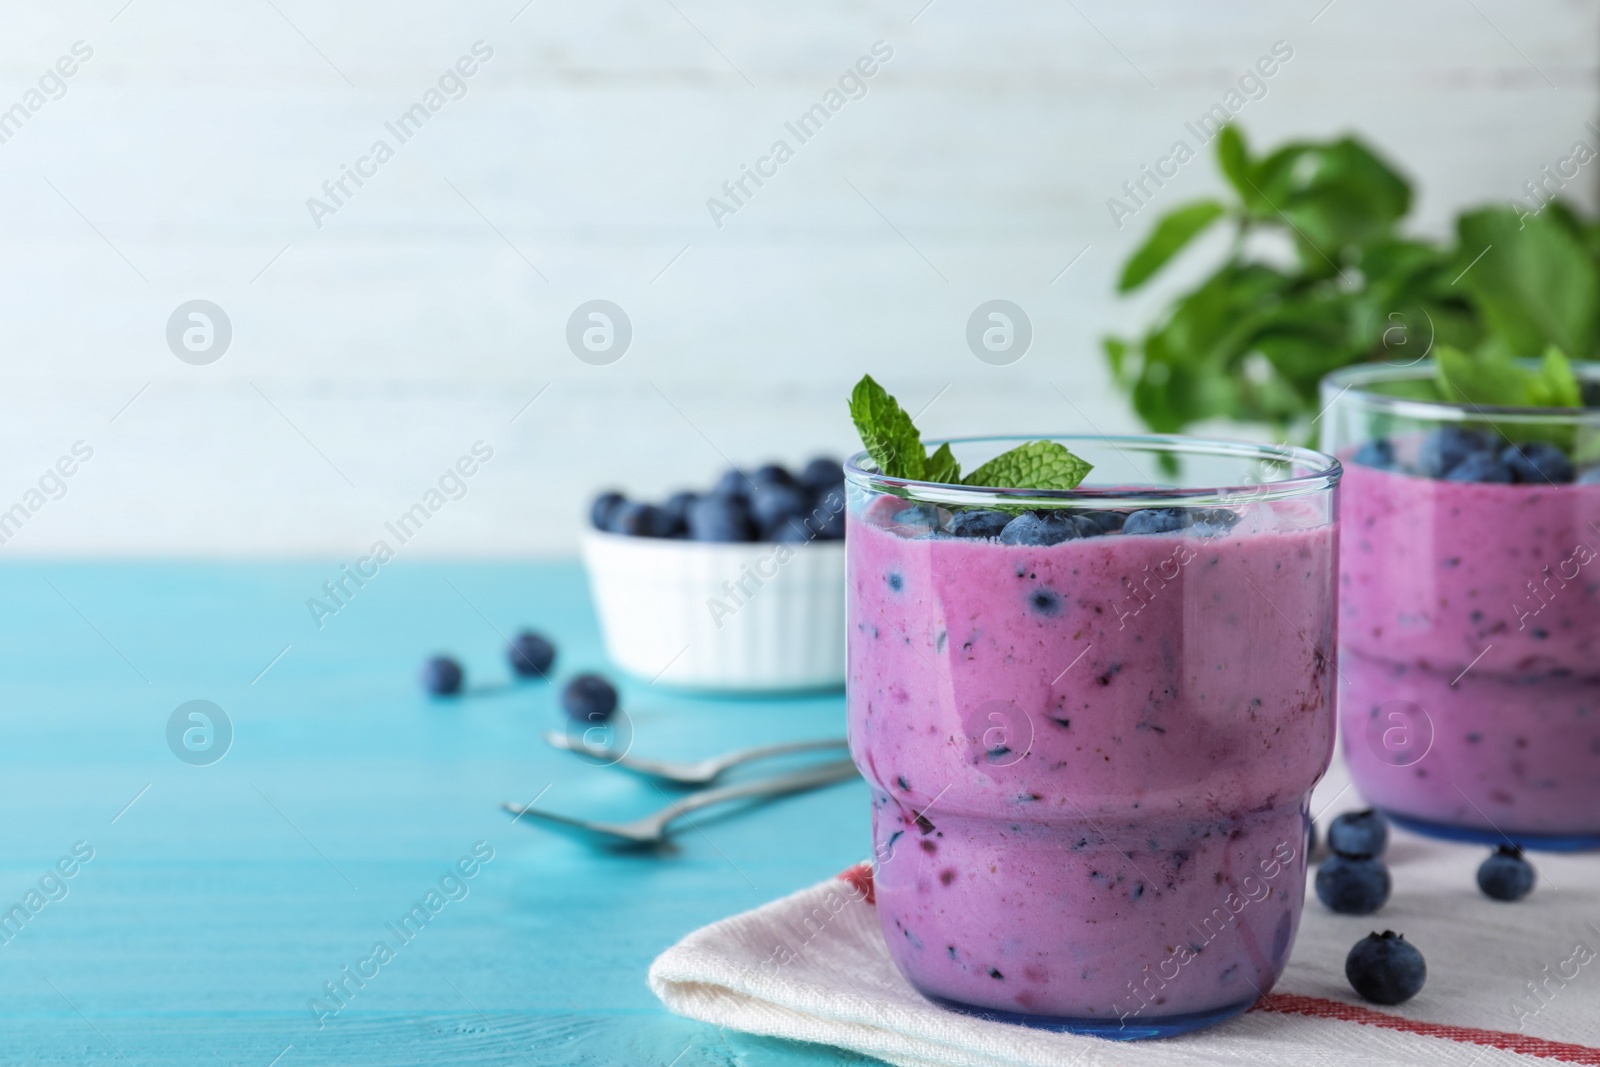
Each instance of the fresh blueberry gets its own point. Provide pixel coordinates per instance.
(822, 474)
(1447, 446)
(1352, 886)
(1044, 528)
(720, 518)
(1385, 968)
(640, 520)
(676, 509)
(531, 655)
(734, 484)
(1480, 467)
(917, 520)
(600, 511)
(1359, 835)
(827, 518)
(976, 522)
(1537, 463)
(1106, 521)
(442, 676)
(772, 503)
(1590, 477)
(788, 532)
(589, 698)
(772, 474)
(1156, 521)
(1505, 875)
(1378, 452)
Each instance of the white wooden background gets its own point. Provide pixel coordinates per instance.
(423, 316)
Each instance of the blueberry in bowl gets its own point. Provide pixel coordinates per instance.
(739, 587)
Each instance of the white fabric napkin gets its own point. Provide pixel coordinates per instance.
(813, 967)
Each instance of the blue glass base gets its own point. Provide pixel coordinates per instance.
(1532, 842)
(1134, 1028)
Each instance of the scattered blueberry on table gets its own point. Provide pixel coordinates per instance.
(768, 504)
(1352, 886)
(442, 676)
(1359, 834)
(1506, 874)
(589, 698)
(1385, 968)
(531, 655)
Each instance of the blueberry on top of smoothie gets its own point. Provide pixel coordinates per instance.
(1156, 521)
(1448, 446)
(1106, 521)
(976, 522)
(1042, 528)
(1480, 467)
(1212, 522)
(1538, 463)
(1378, 452)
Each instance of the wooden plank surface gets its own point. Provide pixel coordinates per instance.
(217, 904)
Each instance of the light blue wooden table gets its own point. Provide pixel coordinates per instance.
(221, 898)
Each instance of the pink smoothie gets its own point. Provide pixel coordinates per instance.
(1478, 604)
(1091, 761)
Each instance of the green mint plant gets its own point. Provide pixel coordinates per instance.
(892, 440)
(1251, 341)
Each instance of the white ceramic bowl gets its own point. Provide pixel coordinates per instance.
(733, 617)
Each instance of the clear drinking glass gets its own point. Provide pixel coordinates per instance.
(1469, 612)
(1091, 721)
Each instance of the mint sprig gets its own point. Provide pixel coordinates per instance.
(892, 440)
(1490, 375)
(1035, 465)
(887, 432)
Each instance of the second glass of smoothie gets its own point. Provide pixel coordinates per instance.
(1470, 608)
(1091, 722)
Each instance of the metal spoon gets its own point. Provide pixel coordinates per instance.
(691, 772)
(653, 829)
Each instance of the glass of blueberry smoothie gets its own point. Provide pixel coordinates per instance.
(1091, 720)
(1469, 610)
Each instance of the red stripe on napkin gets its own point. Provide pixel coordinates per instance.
(1321, 1008)
(860, 876)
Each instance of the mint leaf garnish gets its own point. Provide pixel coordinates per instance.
(1035, 465)
(942, 466)
(1492, 376)
(886, 431)
(894, 444)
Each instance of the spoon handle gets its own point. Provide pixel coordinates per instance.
(810, 778)
(760, 752)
